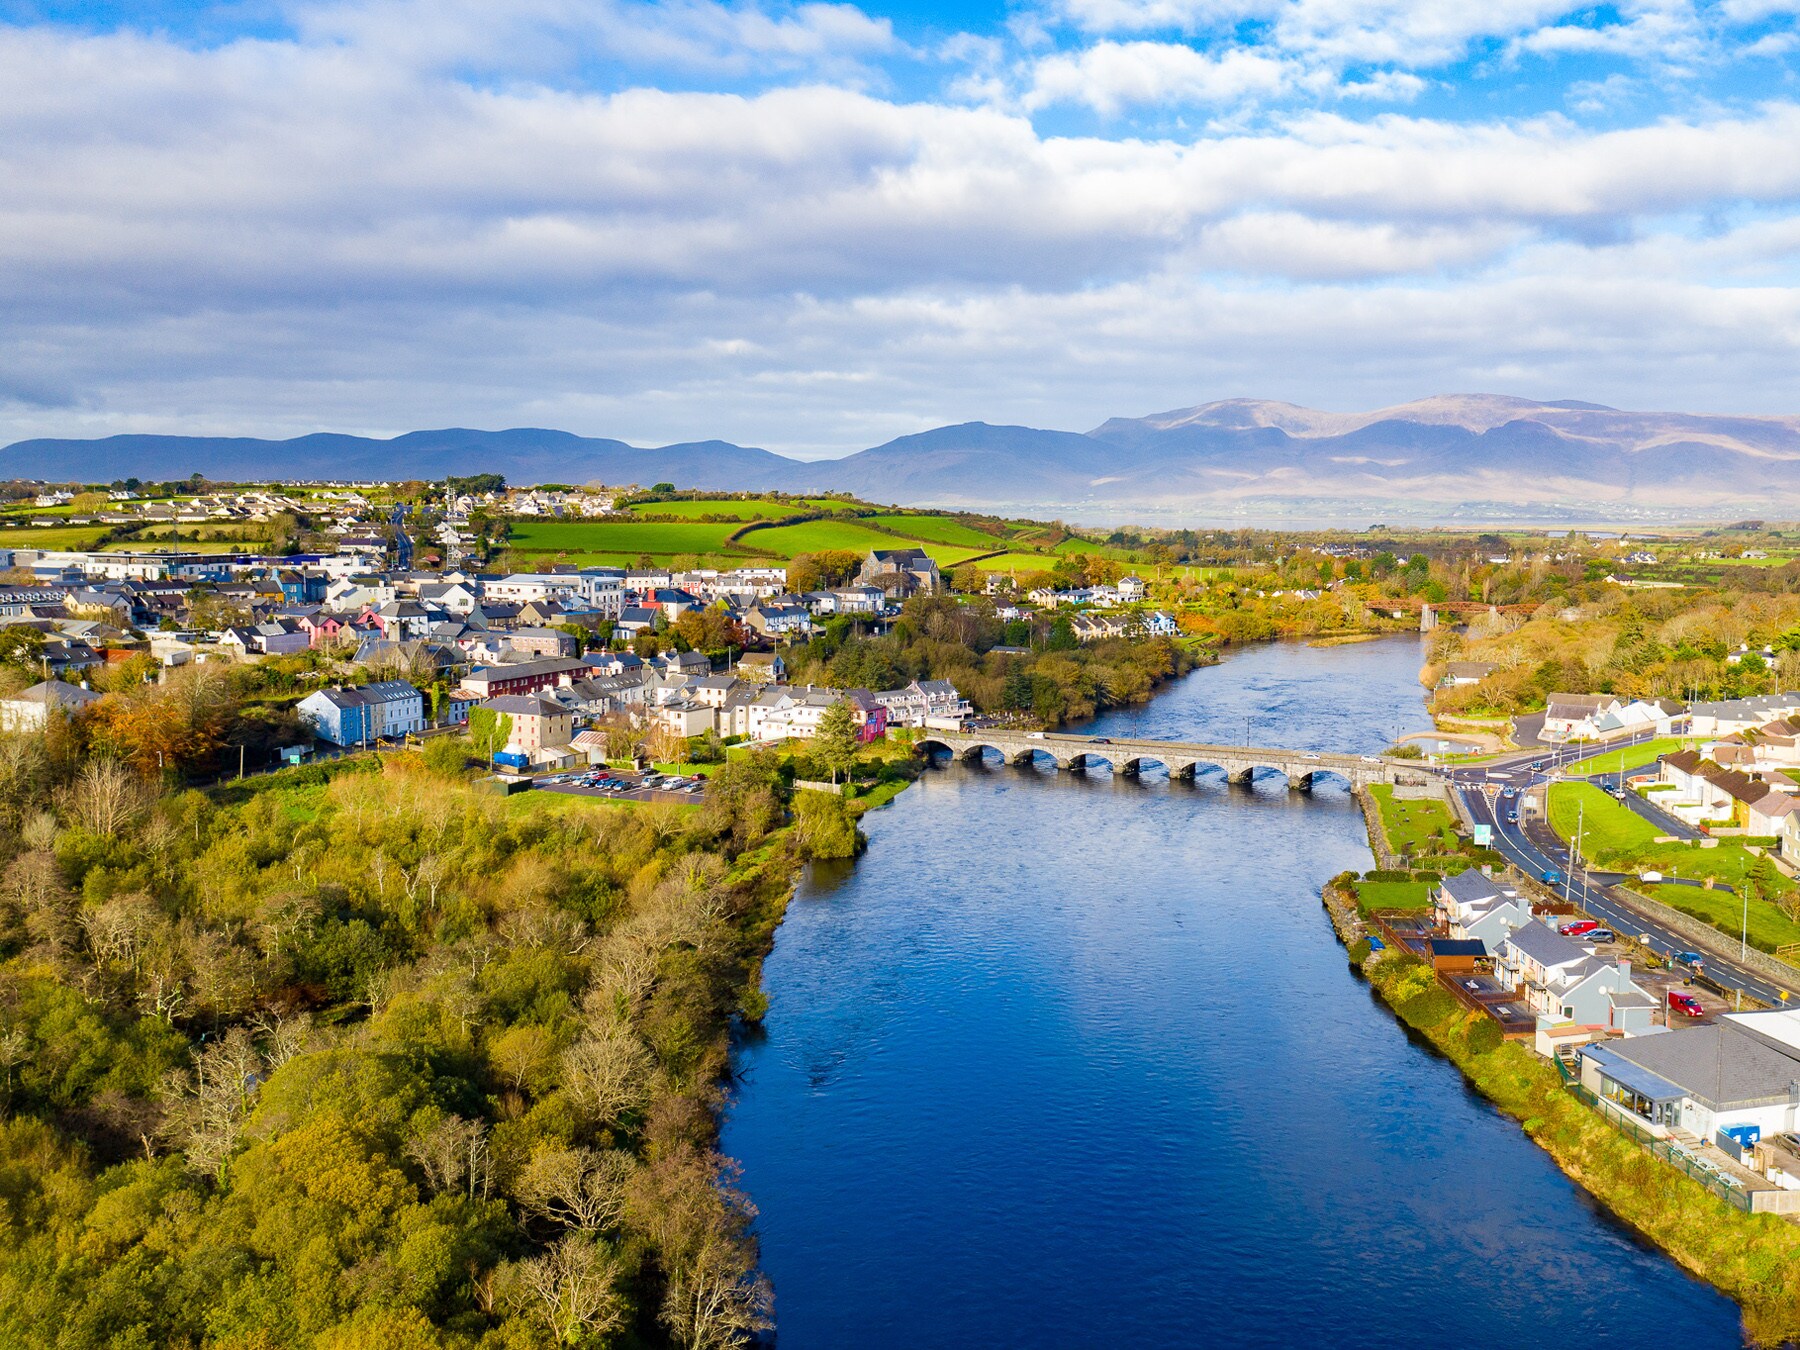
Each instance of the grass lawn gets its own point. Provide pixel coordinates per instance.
(655, 537)
(1636, 756)
(1394, 894)
(1414, 826)
(57, 537)
(1769, 927)
(1609, 830)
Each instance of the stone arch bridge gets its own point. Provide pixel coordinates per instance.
(1181, 758)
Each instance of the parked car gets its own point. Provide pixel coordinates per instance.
(1601, 935)
(1579, 928)
(1685, 1004)
(1650, 876)
(1692, 960)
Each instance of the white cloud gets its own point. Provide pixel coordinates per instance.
(285, 235)
(1110, 76)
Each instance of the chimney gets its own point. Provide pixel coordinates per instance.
(1624, 970)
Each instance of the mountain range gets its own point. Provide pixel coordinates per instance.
(1478, 456)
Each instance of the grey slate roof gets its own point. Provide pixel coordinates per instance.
(1546, 946)
(1468, 887)
(1722, 1065)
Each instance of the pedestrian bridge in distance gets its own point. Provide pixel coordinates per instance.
(1128, 755)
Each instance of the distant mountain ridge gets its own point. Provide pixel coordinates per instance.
(1448, 456)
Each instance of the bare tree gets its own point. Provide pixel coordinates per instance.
(573, 1290)
(581, 1187)
(716, 1298)
(285, 1034)
(207, 1104)
(453, 1154)
(106, 797)
(606, 1073)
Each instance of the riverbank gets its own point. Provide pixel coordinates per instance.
(1754, 1259)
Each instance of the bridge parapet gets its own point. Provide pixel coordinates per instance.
(1180, 758)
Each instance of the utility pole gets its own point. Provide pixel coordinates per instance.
(240, 761)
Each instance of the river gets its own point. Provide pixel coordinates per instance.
(1077, 1061)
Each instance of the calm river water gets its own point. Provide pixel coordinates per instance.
(1070, 1061)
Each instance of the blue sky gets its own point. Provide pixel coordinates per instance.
(816, 226)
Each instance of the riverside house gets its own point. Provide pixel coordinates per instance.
(1741, 1071)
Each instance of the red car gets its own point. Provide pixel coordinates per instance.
(1579, 928)
(1685, 1004)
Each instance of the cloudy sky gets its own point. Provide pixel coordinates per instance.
(816, 226)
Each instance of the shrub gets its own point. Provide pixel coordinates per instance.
(1359, 952)
(1484, 1037)
(1428, 1008)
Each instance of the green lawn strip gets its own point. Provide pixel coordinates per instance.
(1394, 894)
(1609, 830)
(1769, 927)
(1755, 1259)
(1615, 837)
(1413, 826)
(1636, 756)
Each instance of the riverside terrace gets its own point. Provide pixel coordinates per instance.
(1181, 758)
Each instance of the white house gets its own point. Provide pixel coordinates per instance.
(1741, 1070)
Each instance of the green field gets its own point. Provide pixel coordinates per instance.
(814, 536)
(1636, 756)
(949, 540)
(623, 538)
(143, 545)
(1018, 562)
(942, 530)
(1414, 826)
(744, 510)
(56, 537)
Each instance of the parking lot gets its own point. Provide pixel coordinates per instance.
(626, 785)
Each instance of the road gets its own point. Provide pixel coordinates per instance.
(1606, 903)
